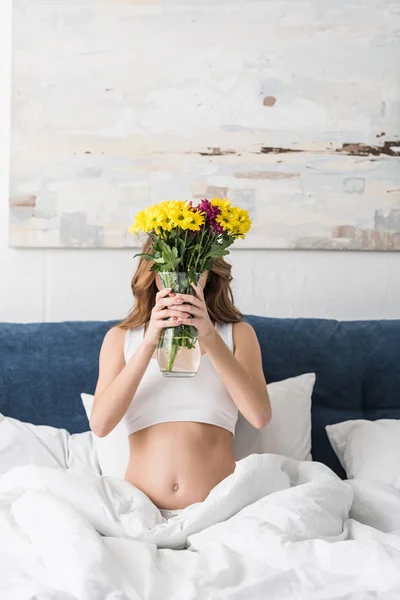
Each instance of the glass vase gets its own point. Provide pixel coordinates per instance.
(178, 352)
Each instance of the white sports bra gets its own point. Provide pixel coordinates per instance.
(159, 399)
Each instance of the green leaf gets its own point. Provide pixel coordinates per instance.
(147, 255)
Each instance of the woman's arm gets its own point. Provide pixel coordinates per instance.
(241, 372)
(117, 382)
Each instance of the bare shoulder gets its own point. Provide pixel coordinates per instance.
(114, 339)
(244, 336)
(111, 359)
(243, 328)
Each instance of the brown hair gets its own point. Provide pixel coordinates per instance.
(217, 293)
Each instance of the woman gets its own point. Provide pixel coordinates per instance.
(180, 430)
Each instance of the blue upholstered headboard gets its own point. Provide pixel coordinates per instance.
(45, 366)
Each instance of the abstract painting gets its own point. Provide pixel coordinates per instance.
(290, 109)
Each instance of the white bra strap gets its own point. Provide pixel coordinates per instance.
(133, 338)
(225, 330)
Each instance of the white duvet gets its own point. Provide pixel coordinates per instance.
(276, 528)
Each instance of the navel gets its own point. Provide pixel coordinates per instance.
(175, 487)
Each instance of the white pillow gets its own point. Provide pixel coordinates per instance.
(27, 444)
(375, 504)
(368, 449)
(112, 449)
(288, 433)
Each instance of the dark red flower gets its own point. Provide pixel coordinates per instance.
(211, 213)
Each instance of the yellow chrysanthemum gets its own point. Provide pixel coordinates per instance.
(181, 214)
(155, 218)
(170, 206)
(242, 222)
(178, 214)
(140, 223)
(151, 218)
(183, 218)
(197, 221)
(235, 221)
(166, 208)
(224, 220)
(222, 203)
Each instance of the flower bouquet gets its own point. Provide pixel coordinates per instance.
(185, 241)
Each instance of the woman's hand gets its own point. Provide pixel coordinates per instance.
(163, 310)
(193, 311)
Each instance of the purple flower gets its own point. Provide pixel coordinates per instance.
(216, 228)
(211, 213)
(206, 207)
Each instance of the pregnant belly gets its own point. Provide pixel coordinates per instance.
(178, 464)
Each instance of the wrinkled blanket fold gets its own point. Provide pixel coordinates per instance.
(275, 528)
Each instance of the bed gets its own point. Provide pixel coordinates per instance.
(67, 531)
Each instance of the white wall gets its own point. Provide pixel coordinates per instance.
(53, 285)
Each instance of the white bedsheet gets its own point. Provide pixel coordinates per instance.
(276, 528)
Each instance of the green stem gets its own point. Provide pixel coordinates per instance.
(199, 253)
(205, 249)
(184, 252)
(190, 260)
(172, 354)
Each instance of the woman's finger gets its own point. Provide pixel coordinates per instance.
(161, 305)
(165, 324)
(161, 312)
(167, 313)
(190, 299)
(168, 302)
(163, 293)
(199, 290)
(188, 308)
